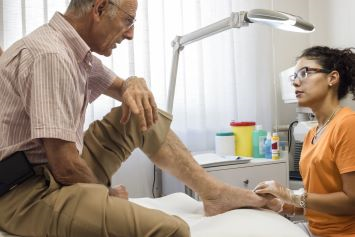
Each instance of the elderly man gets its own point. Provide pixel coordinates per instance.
(47, 79)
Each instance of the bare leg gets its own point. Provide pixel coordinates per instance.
(217, 197)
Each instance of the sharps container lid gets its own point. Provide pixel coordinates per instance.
(236, 124)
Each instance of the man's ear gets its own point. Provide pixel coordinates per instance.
(98, 8)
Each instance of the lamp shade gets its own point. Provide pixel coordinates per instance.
(279, 20)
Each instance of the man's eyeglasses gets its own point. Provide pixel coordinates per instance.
(130, 20)
(304, 72)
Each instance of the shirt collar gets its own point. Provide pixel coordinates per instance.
(76, 43)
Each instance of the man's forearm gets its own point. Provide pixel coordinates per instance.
(65, 164)
(115, 90)
(78, 172)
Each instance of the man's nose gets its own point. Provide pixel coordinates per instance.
(128, 34)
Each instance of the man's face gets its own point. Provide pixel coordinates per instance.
(110, 31)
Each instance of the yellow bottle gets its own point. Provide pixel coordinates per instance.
(275, 149)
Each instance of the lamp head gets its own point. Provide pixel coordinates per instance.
(279, 20)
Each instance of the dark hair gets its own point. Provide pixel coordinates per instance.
(340, 60)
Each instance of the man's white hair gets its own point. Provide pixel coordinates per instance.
(82, 7)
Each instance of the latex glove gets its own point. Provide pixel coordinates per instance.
(275, 205)
(138, 99)
(119, 191)
(277, 190)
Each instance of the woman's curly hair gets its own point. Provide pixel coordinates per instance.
(340, 60)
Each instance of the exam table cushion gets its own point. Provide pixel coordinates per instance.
(241, 222)
(236, 223)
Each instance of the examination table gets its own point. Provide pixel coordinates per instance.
(236, 223)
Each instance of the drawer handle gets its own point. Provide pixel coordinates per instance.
(246, 181)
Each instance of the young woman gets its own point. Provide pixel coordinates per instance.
(323, 76)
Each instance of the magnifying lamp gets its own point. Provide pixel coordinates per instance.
(276, 19)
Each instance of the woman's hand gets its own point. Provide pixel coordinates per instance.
(276, 190)
(275, 205)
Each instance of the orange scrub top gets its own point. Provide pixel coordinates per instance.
(321, 166)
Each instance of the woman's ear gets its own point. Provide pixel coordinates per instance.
(333, 78)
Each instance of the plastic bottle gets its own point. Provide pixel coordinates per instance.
(267, 146)
(259, 136)
(275, 146)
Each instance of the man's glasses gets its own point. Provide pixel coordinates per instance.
(130, 20)
(304, 72)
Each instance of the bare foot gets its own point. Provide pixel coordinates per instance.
(228, 198)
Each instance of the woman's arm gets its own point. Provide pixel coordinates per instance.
(339, 203)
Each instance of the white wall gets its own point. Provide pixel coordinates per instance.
(334, 21)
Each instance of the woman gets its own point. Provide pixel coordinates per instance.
(323, 76)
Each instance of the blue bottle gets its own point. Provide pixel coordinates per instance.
(267, 146)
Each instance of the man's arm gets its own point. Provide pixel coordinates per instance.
(114, 91)
(136, 98)
(66, 166)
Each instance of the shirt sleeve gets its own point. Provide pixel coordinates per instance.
(53, 99)
(100, 79)
(344, 145)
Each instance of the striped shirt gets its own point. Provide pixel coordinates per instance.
(46, 81)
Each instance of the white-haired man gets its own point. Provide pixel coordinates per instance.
(46, 80)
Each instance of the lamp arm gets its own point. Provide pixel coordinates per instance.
(174, 67)
(236, 20)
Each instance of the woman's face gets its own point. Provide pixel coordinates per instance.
(311, 83)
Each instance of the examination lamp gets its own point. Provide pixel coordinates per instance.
(276, 19)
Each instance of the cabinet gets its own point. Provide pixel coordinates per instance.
(246, 175)
(250, 174)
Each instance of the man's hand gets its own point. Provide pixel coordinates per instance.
(138, 99)
(119, 191)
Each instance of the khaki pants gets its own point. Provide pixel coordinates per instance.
(42, 207)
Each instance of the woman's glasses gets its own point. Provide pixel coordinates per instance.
(304, 72)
